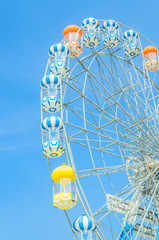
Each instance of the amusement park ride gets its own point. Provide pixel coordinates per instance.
(99, 95)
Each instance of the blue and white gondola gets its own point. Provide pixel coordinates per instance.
(49, 80)
(111, 33)
(51, 103)
(127, 232)
(131, 42)
(51, 123)
(53, 146)
(85, 226)
(52, 149)
(59, 60)
(91, 37)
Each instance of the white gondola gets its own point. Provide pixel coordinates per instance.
(59, 64)
(91, 37)
(53, 142)
(50, 85)
(131, 42)
(111, 33)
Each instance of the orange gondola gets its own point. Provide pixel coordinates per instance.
(151, 58)
(73, 38)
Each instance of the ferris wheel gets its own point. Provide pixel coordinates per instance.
(100, 116)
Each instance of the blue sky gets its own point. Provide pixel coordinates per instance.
(27, 30)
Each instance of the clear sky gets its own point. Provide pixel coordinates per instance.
(27, 29)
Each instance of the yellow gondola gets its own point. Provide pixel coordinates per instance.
(64, 189)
